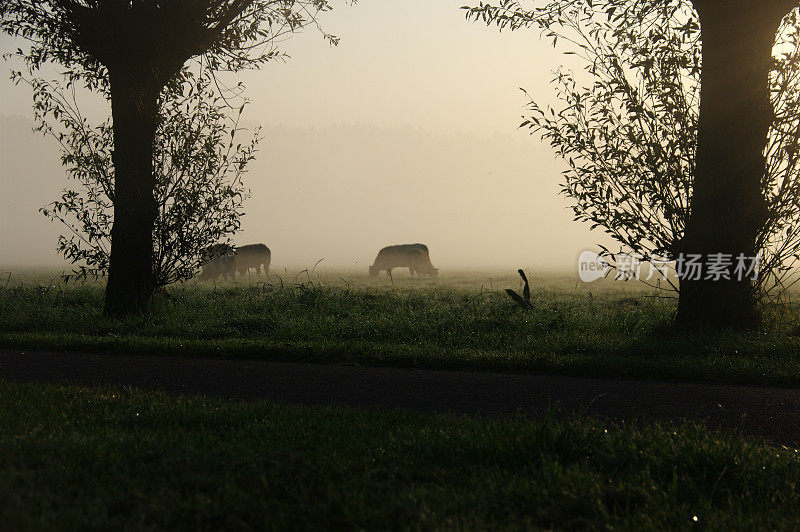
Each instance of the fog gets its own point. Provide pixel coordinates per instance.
(406, 132)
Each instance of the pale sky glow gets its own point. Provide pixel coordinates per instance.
(407, 131)
(416, 63)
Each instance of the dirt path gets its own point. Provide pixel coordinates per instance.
(772, 413)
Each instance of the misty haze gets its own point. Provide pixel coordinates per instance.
(386, 138)
(399, 264)
(340, 193)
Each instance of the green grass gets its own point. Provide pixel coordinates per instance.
(459, 321)
(109, 458)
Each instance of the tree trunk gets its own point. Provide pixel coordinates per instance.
(134, 104)
(728, 207)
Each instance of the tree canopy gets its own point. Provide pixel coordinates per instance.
(87, 37)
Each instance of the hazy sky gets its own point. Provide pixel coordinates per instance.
(405, 132)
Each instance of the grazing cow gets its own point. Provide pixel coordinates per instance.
(256, 256)
(218, 259)
(415, 257)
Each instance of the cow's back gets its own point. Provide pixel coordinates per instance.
(421, 247)
(398, 256)
(391, 257)
(253, 256)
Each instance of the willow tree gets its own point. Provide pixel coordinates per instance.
(727, 209)
(133, 51)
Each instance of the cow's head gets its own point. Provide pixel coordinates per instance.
(373, 271)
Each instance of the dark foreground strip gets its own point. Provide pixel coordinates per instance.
(771, 413)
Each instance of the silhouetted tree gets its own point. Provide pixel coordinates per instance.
(727, 210)
(133, 52)
(199, 163)
(627, 130)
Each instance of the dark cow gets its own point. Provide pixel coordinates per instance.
(218, 259)
(255, 256)
(415, 257)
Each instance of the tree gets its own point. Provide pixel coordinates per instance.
(198, 168)
(727, 210)
(133, 52)
(626, 128)
(628, 134)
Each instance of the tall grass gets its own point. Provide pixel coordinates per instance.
(462, 322)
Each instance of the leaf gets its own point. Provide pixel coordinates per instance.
(526, 292)
(518, 299)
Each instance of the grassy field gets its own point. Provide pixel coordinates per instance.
(77, 458)
(463, 321)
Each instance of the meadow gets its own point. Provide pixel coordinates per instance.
(456, 321)
(112, 458)
(109, 457)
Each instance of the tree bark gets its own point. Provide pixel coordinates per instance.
(142, 45)
(134, 105)
(728, 207)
